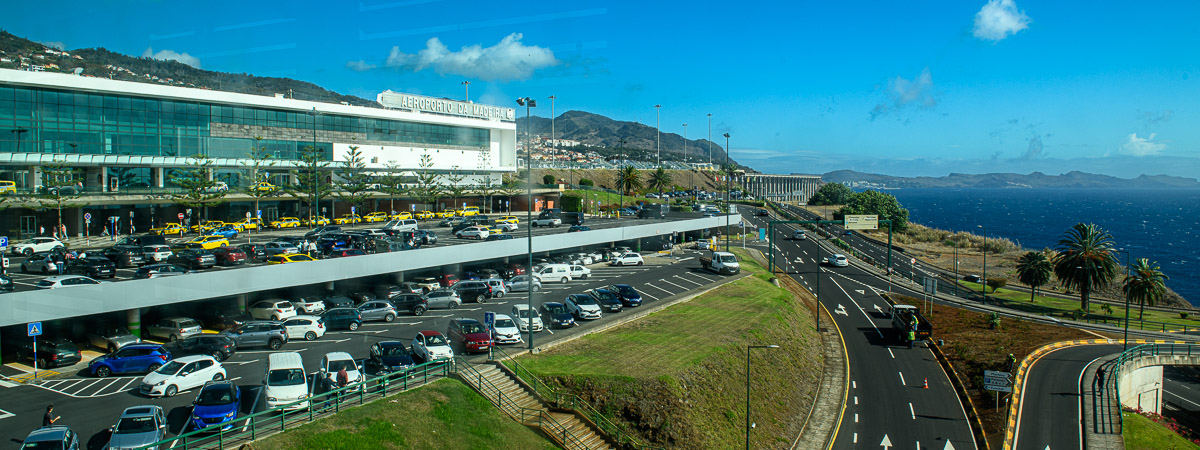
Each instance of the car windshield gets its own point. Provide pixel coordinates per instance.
(169, 368)
(557, 309)
(135, 425)
(395, 350)
(504, 323)
(285, 377)
(524, 313)
(218, 395)
(436, 339)
(338, 364)
(584, 301)
(626, 290)
(45, 283)
(728, 259)
(188, 323)
(607, 295)
(471, 328)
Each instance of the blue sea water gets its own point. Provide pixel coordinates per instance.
(1162, 225)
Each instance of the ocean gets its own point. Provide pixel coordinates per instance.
(1159, 224)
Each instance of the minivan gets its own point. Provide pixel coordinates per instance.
(401, 225)
(285, 381)
(552, 272)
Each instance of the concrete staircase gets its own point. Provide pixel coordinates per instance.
(567, 428)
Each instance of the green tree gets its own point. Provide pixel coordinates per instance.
(487, 189)
(629, 180)
(310, 187)
(659, 180)
(392, 184)
(831, 194)
(1034, 269)
(1085, 260)
(1146, 284)
(586, 182)
(260, 159)
(996, 283)
(548, 179)
(427, 189)
(198, 188)
(354, 185)
(513, 186)
(61, 186)
(877, 203)
(452, 185)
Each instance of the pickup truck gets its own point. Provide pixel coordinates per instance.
(723, 263)
(902, 320)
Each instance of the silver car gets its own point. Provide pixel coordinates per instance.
(280, 247)
(443, 298)
(44, 263)
(377, 310)
(138, 427)
(520, 283)
(111, 338)
(174, 328)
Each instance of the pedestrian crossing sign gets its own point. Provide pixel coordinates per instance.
(35, 329)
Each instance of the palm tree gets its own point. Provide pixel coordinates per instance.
(1034, 269)
(629, 179)
(1147, 284)
(1085, 260)
(659, 180)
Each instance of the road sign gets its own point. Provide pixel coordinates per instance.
(35, 329)
(259, 212)
(351, 210)
(180, 216)
(997, 381)
(87, 216)
(489, 318)
(3, 241)
(861, 222)
(131, 214)
(931, 285)
(762, 234)
(997, 374)
(247, 214)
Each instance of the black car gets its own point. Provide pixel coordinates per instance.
(158, 271)
(92, 266)
(477, 291)
(499, 237)
(125, 255)
(762, 212)
(609, 301)
(390, 357)
(360, 297)
(387, 291)
(411, 302)
(324, 229)
(343, 318)
(6, 283)
(578, 228)
(254, 251)
(219, 347)
(51, 352)
(193, 258)
(338, 301)
(226, 319)
(426, 237)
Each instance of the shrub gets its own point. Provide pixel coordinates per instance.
(996, 283)
(586, 182)
(1183, 315)
(548, 179)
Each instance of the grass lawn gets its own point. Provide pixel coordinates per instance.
(444, 414)
(1142, 433)
(1061, 307)
(677, 377)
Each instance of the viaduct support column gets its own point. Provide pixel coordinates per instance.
(133, 320)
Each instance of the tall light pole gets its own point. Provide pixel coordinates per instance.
(728, 205)
(1125, 341)
(658, 133)
(467, 91)
(621, 187)
(710, 139)
(685, 162)
(553, 144)
(529, 103)
(748, 424)
(984, 248)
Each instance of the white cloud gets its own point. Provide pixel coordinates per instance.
(998, 19)
(509, 59)
(1137, 146)
(359, 66)
(171, 55)
(903, 93)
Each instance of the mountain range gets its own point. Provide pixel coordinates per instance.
(1074, 179)
(615, 136)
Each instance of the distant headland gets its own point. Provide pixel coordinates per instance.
(1073, 179)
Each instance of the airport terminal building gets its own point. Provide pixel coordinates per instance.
(124, 138)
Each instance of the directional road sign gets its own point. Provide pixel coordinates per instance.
(997, 381)
(35, 329)
(861, 222)
(489, 318)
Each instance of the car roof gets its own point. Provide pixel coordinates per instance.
(338, 356)
(285, 360)
(391, 343)
(520, 306)
(140, 410)
(502, 316)
(63, 277)
(428, 333)
(149, 346)
(50, 433)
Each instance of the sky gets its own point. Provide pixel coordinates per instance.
(900, 88)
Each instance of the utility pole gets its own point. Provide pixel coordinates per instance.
(658, 132)
(710, 139)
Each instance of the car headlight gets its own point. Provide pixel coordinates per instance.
(272, 399)
(303, 396)
(231, 414)
(160, 383)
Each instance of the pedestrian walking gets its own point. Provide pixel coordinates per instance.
(63, 232)
(1100, 377)
(49, 418)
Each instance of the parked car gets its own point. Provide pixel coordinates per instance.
(52, 437)
(229, 256)
(156, 253)
(526, 316)
(629, 295)
(390, 357)
(520, 283)
(973, 279)
(412, 302)
(474, 232)
(579, 271)
(223, 319)
(174, 328)
(6, 283)
(447, 280)
(627, 259)
(64, 281)
(500, 237)
(217, 403)
(209, 242)
(309, 305)
(425, 237)
(431, 346)
(344, 252)
(279, 247)
(476, 291)
(470, 334)
(310, 327)
(227, 232)
(556, 313)
(193, 258)
(254, 251)
(377, 310)
(34, 245)
(218, 347)
(286, 259)
(583, 306)
(285, 222)
(111, 338)
(51, 352)
(137, 427)
(443, 298)
(182, 374)
(277, 310)
(324, 229)
(125, 255)
(44, 263)
(578, 228)
(271, 335)
(285, 381)
(504, 330)
(608, 300)
(338, 301)
(129, 359)
(334, 362)
(158, 271)
(498, 286)
(343, 318)
(386, 291)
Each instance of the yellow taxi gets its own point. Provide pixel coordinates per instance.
(207, 226)
(288, 258)
(425, 215)
(8, 187)
(348, 219)
(375, 217)
(253, 223)
(469, 211)
(168, 228)
(263, 186)
(508, 219)
(494, 230)
(286, 222)
(445, 214)
(210, 242)
(320, 220)
(402, 216)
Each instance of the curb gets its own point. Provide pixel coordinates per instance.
(1010, 426)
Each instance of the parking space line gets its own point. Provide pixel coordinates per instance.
(687, 280)
(644, 294)
(661, 289)
(664, 280)
(126, 386)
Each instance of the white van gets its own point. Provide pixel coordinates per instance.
(285, 381)
(401, 225)
(555, 272)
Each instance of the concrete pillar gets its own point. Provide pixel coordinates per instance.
(399, 277)
(329, 286)
(133, 320)
(103, 178)
(35, 177)
(159, 176)
(241, 302)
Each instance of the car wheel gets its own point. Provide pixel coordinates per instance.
(24, 268)
(102, 371)
(154, 367)
(171, 391)
(310, 336)
(389, 318)
(453, 305)
(640, 263)
(536, 288)
(418, 310)
(274, 344)
(172, 338)
(28, 252)
(218, 376)
(500, 294)
(275, 317)
(354, 326)
(218, 356)
(563, 280)
(480, 298)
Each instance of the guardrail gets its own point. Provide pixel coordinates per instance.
(1107, 389)
(281, 418)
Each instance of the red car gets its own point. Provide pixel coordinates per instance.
(515, 269)
(470, 334)
(343, 252)
(229, 256)
(447, 280)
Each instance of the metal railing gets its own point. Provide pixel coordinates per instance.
(1106, 390)
(537, 417)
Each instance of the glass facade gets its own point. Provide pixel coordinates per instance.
(55, 121)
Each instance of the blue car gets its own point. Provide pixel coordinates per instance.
(629, 295)
(227, 232)
(130, 358)
(556, 315)
(217, 403)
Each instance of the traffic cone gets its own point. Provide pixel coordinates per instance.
(926, 386)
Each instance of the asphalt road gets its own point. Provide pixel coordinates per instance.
(1181, 395)
(90, 405)
(1050, 415)
(888, 403)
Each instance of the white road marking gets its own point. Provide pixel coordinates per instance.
(673, 284)
(914, 416)
(890, 353)
(689, 281)
(855, 417)
(855, 399)
(902, 383)
(860, 309)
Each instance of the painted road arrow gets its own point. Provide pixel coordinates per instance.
(860, 292)
(841, 310)
(886, 443)
(948, 446)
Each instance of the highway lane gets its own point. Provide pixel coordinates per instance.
(887, 401)
(1049, 413)
(1181, 395)
(90, 405)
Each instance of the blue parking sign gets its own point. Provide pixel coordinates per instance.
(489, 318)
(3, 241)
(35, 329)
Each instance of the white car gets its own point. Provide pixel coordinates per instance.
(181, 374)
(37, 244)
(309, 305)
(472, 232)
(547, 222)
(63, 281)
(627, 259)
(273, 310)
(799, 235)
(504, 330)
(838, 260)
(285, 381)
(583, 306)
(429, 284)
(333, 362)
(157, 253)
(578, 271)
(704, 245)
(431, 345)
(520, 283)
(311, 327)
(508, 227)
(524, 315)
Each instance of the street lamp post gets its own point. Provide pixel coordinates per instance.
(984, 249)
(710, 139)
(467, 91)
(529, 103)
(1125, 341)
(728, 205)
(658, 133)
(685, 163)
(748, 424)
(553, 144)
